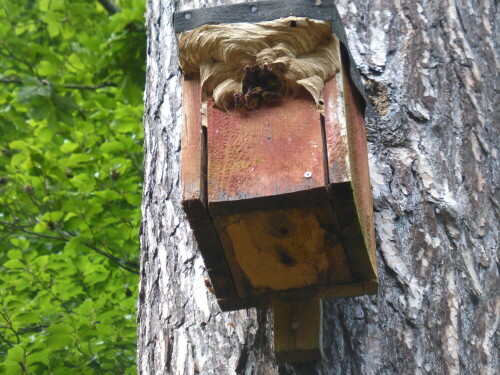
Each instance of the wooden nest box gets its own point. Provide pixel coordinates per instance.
(274, 170)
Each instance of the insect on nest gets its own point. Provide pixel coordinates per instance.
(260, 85)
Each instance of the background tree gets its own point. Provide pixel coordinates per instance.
(71, 79)
(431, 69)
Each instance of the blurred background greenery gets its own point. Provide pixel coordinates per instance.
(71, 85)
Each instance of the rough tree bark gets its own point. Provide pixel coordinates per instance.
(431, 69)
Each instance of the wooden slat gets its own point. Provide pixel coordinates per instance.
(191, 141)
(353, 289)
(336, 131)
(264, 152)
(193, 191)
(298, 331)
(277, 250)
(358, 155)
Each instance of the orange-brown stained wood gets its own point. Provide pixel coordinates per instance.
(278, 250)
(351, 200)
(191, 141)
(193, 176)
(264, 152)
(358, 153)
(336, 131)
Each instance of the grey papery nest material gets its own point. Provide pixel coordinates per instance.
(301, 52)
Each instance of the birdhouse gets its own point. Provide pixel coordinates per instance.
(274, 163)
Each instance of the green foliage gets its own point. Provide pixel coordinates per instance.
(71, 79)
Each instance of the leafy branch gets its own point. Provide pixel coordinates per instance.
(110, 7)
(111, 257)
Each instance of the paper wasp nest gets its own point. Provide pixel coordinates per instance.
(270, 59)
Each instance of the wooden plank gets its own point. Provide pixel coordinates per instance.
(268, 152)
(193, 161)
(347, 147)
(351, 231)
(336, 131)
(191, 141)
(298, 331)
(353, 289)
(277, 250)
(358, 155)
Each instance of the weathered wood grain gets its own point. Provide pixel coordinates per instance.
(266, 152)
(193, 189)
(360, 177)
(298, 331)
(350, 180)
(254, 12)
(352, 289)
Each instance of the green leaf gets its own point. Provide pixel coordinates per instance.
(46, 68)
(45, 135)
(19, 145)
(112, 147)
(58, 329)
(131, 92)
(41, 356)
(16, 354)
(69, 146)
(15, 254)
(40, 227)
(59, 341)
(75, 63)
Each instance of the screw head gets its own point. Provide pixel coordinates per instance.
(308, 174)
(187, 16)
(253, 8)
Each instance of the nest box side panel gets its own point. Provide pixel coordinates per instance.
(349, 178)
(336, 131)
(358, 154)
(193, 166)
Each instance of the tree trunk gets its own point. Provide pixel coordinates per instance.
(431, 70)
